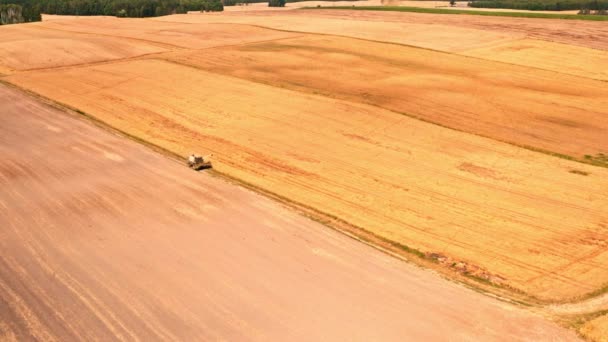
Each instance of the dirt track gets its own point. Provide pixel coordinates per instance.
(103, 239)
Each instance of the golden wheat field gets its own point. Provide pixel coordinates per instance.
(537, 108)
(461, 140)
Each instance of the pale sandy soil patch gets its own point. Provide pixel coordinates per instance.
(149, 250)
(520, 215)
(524, 106)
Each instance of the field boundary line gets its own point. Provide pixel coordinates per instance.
(90, 64)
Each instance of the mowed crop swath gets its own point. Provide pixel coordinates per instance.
(521, 215)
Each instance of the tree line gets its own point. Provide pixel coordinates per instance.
(18, 11)
(10, 14)
(543, 5)
(127, 8)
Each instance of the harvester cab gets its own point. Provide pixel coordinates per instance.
(197, 162)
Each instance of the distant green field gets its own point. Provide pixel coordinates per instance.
(470, 12)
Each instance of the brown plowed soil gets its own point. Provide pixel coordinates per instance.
(102, 239)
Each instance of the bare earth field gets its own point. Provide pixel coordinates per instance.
(103, 239)
(419, 129)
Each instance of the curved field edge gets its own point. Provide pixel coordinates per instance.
(468, 12)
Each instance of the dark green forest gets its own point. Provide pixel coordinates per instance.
(18, 11)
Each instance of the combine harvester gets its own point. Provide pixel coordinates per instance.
(197, 162)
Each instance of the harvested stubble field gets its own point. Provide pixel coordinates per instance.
(337, 139)
(573, 60)
(180, 35)
(500, 39)
(106, 240)
(55, 49)
(521, 215)
(405, 28)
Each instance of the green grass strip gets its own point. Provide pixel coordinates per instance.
(469, 12)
